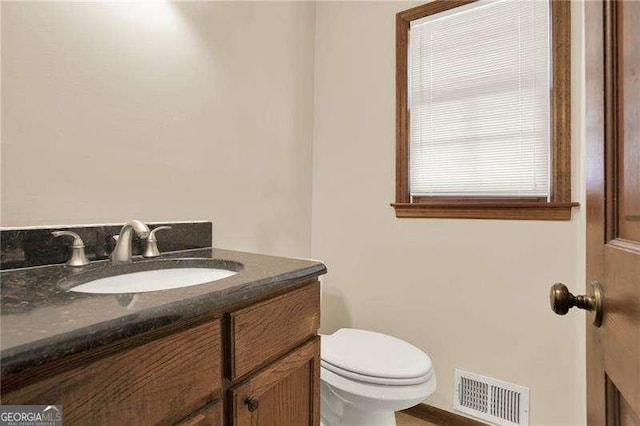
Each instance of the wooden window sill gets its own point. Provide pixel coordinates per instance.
(505, 210)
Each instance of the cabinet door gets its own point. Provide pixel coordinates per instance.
(285, 393)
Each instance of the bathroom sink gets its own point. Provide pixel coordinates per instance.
(147, 276)
(163, 279)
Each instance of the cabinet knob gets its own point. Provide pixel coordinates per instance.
(252, 404)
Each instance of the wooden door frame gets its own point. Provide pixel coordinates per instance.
(595, 197)
(597, 211)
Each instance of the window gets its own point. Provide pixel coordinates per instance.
(483, 110)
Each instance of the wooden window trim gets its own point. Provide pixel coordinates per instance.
(559, 206)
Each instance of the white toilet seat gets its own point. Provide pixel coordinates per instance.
(377, 397)
(373, 379)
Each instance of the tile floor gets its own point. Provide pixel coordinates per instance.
(407, 420)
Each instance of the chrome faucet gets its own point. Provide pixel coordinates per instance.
(122, 251)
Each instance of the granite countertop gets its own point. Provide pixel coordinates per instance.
(40, 321)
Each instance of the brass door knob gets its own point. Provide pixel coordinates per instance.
(562, 300)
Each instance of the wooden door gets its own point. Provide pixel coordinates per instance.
(286, 393)
(612, 31)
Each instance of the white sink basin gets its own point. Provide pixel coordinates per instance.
(152, 280)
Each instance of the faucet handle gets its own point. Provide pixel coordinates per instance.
(151, 249)
(152, 234)
(78, 256)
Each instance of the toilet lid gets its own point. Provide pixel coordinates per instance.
(367, 353)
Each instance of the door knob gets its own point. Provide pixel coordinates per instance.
(562, 300)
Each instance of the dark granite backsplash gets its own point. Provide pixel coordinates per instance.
(25, 247)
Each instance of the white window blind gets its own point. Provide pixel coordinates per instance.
(479, 101)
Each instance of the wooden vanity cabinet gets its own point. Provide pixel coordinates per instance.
(255, 365)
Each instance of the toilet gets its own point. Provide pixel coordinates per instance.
(367, 376)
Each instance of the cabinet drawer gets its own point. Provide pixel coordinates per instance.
(266, 330)
(211, 415)
(158, 382)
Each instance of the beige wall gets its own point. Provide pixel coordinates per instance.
(473, 294)
(160, 112)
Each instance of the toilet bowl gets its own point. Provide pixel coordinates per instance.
(367, 376)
